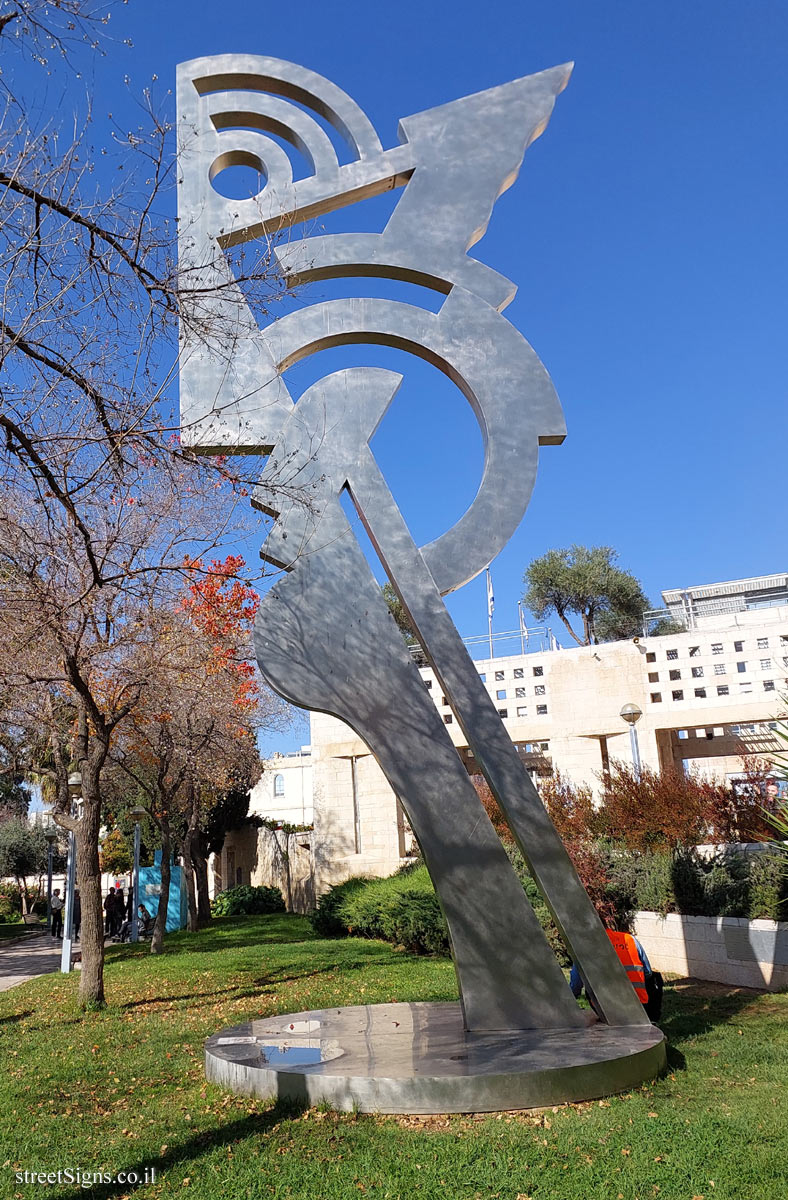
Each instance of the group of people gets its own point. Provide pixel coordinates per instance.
(117, 910)
(117, 914)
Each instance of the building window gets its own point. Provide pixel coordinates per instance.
(538, 670)
(672, 654)
(520, 693)
(539, 690)
(544, 745)
(518, 672)
(716, 647)
(498, 676)
(428, 683)
(500, 694)
(697, 672)
(738, 647)
(675, 674)
(723, 691)
(694, 651)
(482, 676)
(765, 664)
(656, 697)
(651, 656)
(541, 710)
(444, 702)
(679, 695)
(768, 685)
(741, 667)
(719, 668)
(745, 688)
(503, 712)
(447, 718)
(522, 710)
(763, 643)
(279, 785)
(700, 693)
(653, 676)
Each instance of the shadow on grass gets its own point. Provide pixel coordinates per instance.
(693, 1007)
(193, 1149)
(14, 1017)
(252, 987)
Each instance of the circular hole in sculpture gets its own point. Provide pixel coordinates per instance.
(238, 175)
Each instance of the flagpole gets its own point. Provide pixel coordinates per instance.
(490, 607)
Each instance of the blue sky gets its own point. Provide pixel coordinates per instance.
(647, 237)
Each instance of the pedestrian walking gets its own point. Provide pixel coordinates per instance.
(109, 913)
(57, 914)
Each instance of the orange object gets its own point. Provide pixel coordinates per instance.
(625, 948)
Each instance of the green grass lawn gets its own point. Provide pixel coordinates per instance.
(124, 1089)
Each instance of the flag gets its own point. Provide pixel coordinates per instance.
(554, 643)
(523, 626)
(490, 596)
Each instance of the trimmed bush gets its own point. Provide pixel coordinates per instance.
(402, 909)
(768, 887)
(327, 919)
(248, 901)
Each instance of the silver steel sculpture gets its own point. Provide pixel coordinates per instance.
(325, 639)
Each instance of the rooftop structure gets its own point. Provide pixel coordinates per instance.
(707, 604)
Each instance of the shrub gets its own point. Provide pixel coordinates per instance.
(401, 908)
(655, 883)
(768, 887)
(326, 919)
(414, 920)
(248, 901)
(543, 914)
(10, 903)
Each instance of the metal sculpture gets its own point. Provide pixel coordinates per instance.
(324, 637)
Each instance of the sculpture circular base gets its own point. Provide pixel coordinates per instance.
(418, 1058)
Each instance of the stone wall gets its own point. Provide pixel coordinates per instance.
(728, 950)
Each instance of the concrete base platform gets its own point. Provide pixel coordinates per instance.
(417, 1058)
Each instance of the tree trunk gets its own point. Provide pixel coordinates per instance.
(24, 898)
(200, 864)
(160, 924)
(569, 629)
(192, 922)
(91, 937)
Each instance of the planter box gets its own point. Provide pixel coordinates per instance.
(728, 950)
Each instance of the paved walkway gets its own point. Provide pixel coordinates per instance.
(23, 960)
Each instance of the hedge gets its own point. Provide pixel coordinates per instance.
(247, 901)
(403, 908)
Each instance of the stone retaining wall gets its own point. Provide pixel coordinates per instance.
(729, 950)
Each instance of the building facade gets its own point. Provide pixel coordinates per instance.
(257, 854)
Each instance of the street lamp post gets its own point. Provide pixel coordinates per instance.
(51, 838)
(632, 714)
(137, 813)
(75, 793)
